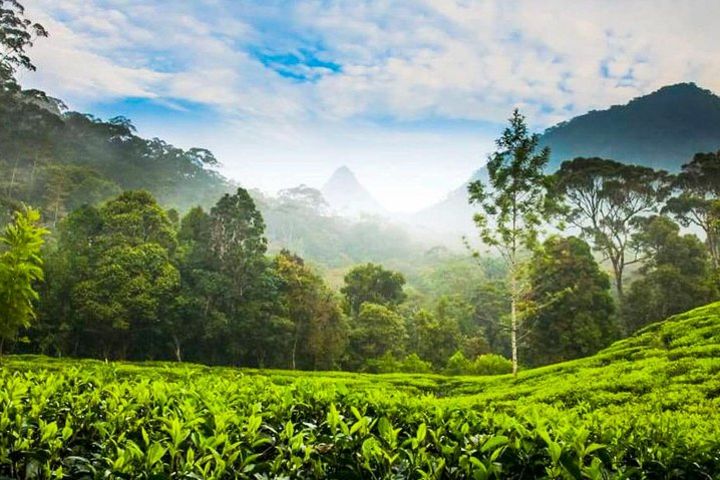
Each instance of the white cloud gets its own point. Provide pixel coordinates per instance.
(406, 59)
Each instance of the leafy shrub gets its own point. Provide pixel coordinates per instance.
(458, 364)
(491, 364)
(414, 364)
(488, 364)
(627, 418)
(389, 364)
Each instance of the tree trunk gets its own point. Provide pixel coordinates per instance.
(32, 172)
(617, 265)
(178, 355)
(294, 349)
(12, 178)
(513, 324)
(712, 244)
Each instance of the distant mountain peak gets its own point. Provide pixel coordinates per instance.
(683, 87)
(342, 174)
(347, 196)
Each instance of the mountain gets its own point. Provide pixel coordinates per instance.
(661, 130)
(346, 196)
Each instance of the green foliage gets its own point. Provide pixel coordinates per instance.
(514, 205)
(375, 331)
(644, 408)
(698, 200)
(434, 337)
(491, 364)
(675, 277)
(486, 364)
(389, 364)
(458, 364)
(318, 328)
(237, 240)
(374, 284)
(113, 268)
(20, 270)
(571, 309)
(604, 199)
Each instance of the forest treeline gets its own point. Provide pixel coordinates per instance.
(119, 275)
(130, 280)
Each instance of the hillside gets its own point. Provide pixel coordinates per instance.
(663, 130)
(58, 160)
(644, 408)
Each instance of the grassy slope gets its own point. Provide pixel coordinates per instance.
(652, 400)
(674, 357)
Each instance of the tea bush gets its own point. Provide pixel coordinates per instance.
(647, 407)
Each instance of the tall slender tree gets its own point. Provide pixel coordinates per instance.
(513, 205)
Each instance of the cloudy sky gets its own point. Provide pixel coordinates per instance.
(408, 94)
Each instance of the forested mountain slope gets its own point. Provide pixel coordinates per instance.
(58, 160)
(662, 130)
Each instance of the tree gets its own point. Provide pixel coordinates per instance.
(575, 314)
(433, 337)
(675, 278)
(125, 297)
(237, 239)
(17, 33)
(603, 199)
(698, 201)
(200, 312)
(318, 328)
(372, 283)
(20, 269)
(118, 276)
(491, 316)
(513, 206)
(376, 330)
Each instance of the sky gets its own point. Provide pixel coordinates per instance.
(409, 94)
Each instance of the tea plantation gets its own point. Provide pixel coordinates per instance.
(647, 407)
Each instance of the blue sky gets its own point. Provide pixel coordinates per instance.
(407, 93)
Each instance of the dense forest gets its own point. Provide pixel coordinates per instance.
(149, 254)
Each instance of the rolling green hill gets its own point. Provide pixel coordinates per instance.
(647, 407)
